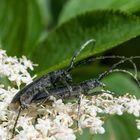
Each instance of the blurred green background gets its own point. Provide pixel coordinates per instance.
(49, 32)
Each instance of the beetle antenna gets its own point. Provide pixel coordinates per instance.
(112, 69)
(92, 59)
(71, 66)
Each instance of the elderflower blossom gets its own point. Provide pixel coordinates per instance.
(16, 70)
(138, 124)
(133, 107)
(58, 120)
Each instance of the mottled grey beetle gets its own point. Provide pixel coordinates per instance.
(85, 86)
(25, 95)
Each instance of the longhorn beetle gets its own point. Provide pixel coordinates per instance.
(85, 86)
(64, 92)
(25, 95)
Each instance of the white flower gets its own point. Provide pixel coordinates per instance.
(138, 124)
(64, 133)
(133, 107)
(94, 123)
(3, 133)
(24, 122)
(93, 110)
(114, 109)
(63, 119)
(3, 111)
(52, 138)
(29, 133)
(43, 126)
(27, 63)
(15, 69)
(97, 130)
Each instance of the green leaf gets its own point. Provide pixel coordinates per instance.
(114, 83)
(108, 28)
(20, 26)
(118, 128)
(77, 7)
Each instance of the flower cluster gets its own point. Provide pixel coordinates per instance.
(57, 121)
(138, 124)
(16, 70)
